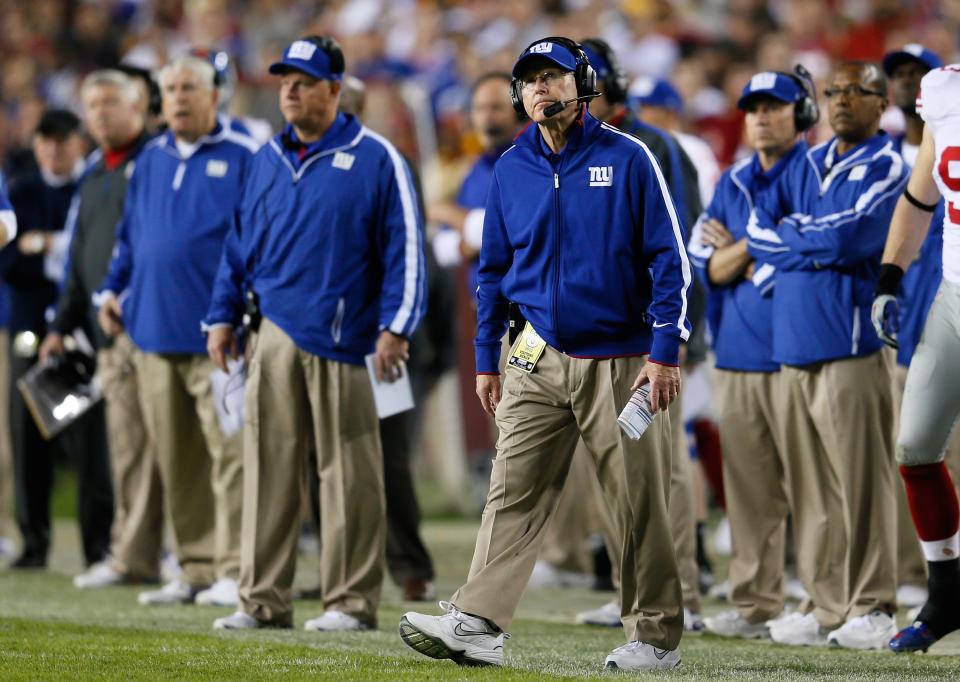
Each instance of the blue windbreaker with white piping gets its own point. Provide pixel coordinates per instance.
(743, 339)
(588, 244)
(177, 214)
(330, 238)
(823, 226)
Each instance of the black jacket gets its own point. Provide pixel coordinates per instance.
(102, 193)
(38, 206)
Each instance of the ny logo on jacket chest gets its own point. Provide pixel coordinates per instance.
(601, 176)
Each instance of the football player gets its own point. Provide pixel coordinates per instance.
(931, 400)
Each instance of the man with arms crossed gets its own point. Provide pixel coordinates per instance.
(749, 390)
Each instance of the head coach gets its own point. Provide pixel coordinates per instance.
(330, 240)
(581, 233)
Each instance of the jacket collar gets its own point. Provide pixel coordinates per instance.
(583, 129)
(827, 163)
(771, 174)
(345, 133)
(168, 142)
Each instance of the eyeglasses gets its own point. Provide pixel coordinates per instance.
(851, 92)
(548, 78)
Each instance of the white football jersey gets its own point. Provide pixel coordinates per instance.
(939, 105)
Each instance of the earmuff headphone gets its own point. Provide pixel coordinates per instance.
(615, 82)
(584, 75)
(806, 113)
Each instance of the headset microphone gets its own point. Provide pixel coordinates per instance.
(557, 107)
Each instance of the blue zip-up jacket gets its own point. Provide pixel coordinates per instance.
(176, 216)
(588, 244)
(743, 340)
(330, 239)
(920, 283)
(823, 226)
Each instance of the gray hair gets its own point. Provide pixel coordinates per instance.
(118, 79)
(201, 68)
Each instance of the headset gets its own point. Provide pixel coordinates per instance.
(332, 49)
(805, 111)
(584, 75)
(615, 82)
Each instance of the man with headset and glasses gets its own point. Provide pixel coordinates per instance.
(580, 232)
(821, 228)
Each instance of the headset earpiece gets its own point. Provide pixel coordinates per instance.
(615, 83)
(806, 113)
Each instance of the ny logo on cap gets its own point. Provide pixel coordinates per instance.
(763, 81)
(302, 49)
(540, 48)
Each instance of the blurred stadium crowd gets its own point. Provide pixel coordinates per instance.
(686, 62)
(706, 48)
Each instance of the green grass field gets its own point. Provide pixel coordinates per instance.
(50, 631)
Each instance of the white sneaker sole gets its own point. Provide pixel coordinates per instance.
(612, 665)
(434, 647)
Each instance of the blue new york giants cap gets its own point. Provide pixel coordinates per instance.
(771, 84)
(912, 52)
(549, 50)
(306, 56)
(654, 92)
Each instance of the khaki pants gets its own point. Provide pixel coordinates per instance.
(6, 452)
(136, 537)
(841, 473)
(580, 514)
(581, 511)
(911, 566)
(294, 397)
(541, 417)
(751, 407)
(682, 506)
(201, 469)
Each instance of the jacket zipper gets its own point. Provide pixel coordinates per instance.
(337, 326)
(556, 255)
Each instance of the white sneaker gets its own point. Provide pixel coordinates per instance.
(794, 589)
(169, 567)
(237, 621)
(692, 622)
(720, 591)
(870, 631)
(722, 539)
(466, 640)
(224, 592)
(546, 575)
(101, 574)
(732, 624)
(786, 614)
(335, 621)
(607, 615)
(174, 592)
(798, 630)
(909, 596)
(640, 656)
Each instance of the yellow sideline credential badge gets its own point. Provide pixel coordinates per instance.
(529, 349)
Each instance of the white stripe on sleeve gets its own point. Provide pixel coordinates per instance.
(674, 222)
(412, 267)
